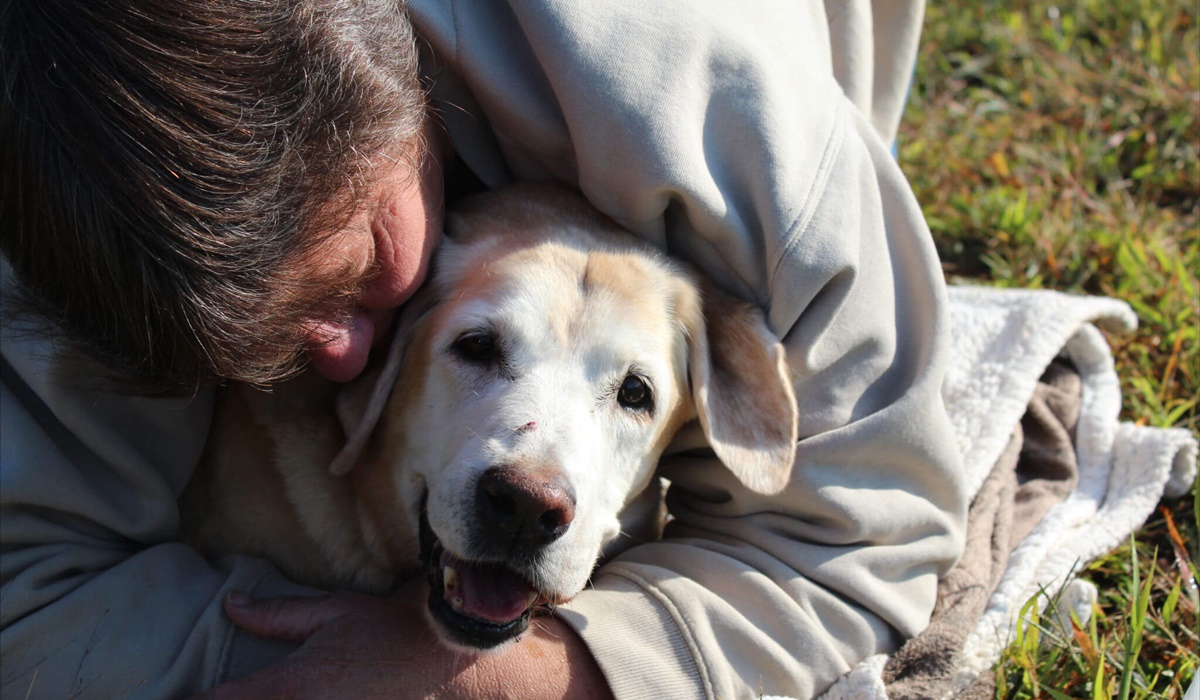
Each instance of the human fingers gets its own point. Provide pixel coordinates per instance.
(287, 618)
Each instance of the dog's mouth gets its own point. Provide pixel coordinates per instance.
(479, 605)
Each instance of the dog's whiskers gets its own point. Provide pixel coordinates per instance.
(542, 627)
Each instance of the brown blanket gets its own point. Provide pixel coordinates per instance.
(1036, 471)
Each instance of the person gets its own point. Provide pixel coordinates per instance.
(197, 192)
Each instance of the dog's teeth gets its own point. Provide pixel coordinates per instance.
(449, 578)
(532, 597)
(456, 603)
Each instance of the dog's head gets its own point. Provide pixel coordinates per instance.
(546, 367)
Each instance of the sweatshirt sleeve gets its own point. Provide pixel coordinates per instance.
(97, 597)
(720, 132)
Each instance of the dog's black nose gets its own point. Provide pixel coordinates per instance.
(533, 507)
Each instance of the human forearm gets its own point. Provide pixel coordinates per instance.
(355, 645)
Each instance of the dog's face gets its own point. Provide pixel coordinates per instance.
(549, 369)
(550, 381)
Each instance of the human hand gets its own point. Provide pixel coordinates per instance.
(361, 646)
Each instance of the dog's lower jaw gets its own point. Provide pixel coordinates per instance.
(458, 630)
(469, 635)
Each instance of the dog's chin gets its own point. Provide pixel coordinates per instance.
(476, 606)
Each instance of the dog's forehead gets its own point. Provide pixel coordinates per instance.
(567, 277)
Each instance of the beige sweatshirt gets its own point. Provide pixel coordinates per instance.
(751, 138)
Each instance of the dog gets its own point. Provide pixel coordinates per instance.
(512, 432)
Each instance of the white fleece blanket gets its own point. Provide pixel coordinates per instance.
(1003, 341)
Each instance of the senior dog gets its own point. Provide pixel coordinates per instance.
(511, 433)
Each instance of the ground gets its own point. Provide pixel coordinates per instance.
(1057, 145)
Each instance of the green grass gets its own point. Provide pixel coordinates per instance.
(1057, 145)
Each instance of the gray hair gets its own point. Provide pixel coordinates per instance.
(169, 165)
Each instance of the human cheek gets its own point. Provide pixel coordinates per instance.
(403, 248)
(406, 229)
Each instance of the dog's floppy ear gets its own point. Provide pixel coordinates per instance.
(742, 390)
(361, 401)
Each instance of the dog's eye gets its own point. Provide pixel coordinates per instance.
(634, 393)
(478, 347)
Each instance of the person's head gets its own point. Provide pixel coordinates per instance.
(204, 189)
